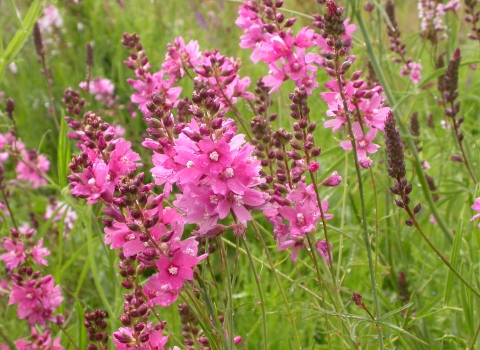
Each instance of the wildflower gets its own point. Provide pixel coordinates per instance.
(32, 167)
(51, 19)
(15, 255)
(476, 207)
(324, 251)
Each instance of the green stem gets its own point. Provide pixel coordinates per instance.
(362, 201)
(260, 293)
(411, 145)
(226, 277)
(287, 305)
(439, 254)
(472, 344)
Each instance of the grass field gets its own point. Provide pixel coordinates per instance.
(422, 304)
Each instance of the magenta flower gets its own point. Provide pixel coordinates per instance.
(373, 112)
(123, 159)
(32, 167)
(16, 254)
(51, 19)
(323, 250)
(94, 183)
(36, 300)
(153, 83)
(414, 70)
(180, 56)
(38, 253)
(476, 207)
(363, 142)
(333, 180)
(174, 272)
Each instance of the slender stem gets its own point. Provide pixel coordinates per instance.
(287, 305)
(260, 292)
(312, 293)
(9, 209)
(226, 277)
(411, 145)
(362, 200)
(376, 219)
(439, 254)
(460, 145)
(68, 336)
(472, 344)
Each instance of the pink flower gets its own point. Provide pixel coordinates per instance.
(363, 142)
(36, 300)
(94, 183)
(333, 180)
(180, 56)
(373, 112)
(51, 19)
(32, 167)
(123, 159)
(414, 69)
(324, 251)
(476, 207)
(153, 83)
(16, 254)
(38, 253)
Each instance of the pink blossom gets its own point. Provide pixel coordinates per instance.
(180, 56)
(324, 251)
(476, 207)
(16, 254)
(123, 159)
(363, 142)
(32, 167)
(36, 300)
(51, 19)
(61, 210)
(94, 183)
(333, 180)
(373, 112)
(153, 83)
(38, 253)
(413, 69)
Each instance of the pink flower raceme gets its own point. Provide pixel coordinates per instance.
(37, 300)
(295, 216)
(413, 69)
(181, 56)
(51, 19)
(38, 341)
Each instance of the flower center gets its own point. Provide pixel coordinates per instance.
(91, 182)
(190, 164)
(214, 156)
(238, 199)
(173, 270)
(214, 199)
(362, 144)
(300, 218)
(229, 173)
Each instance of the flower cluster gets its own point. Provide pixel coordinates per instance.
(29, 164)
(268, 34)
(430, 13)
(37, 341)
(36, 296)
(103, 90)
(353, 102)
(413, 69)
